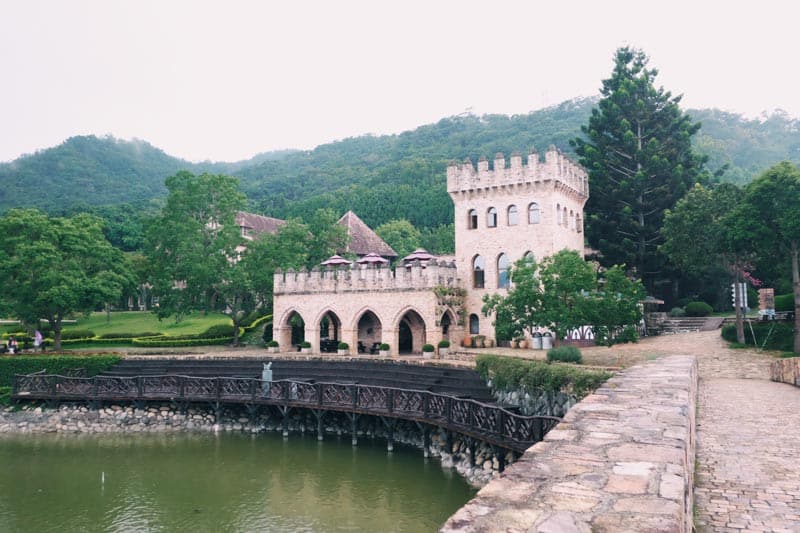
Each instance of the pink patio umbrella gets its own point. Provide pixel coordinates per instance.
(420, 254)
(336, 260)
(373, 259)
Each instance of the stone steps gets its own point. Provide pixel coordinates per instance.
(688, 324)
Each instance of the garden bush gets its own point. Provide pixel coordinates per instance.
(70, 334)
(698, 309)
(128, 335)
(778, 335)
(273, 344)
(428, 348)
(784, 302)
(219, 330)
(384, 347)
(343, 346)
(510, 373)
(677, 312)
(305, 344)
(53, 364)
(444, 343)
(565, 354)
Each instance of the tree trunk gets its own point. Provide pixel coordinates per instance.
(796, 290)
(737, 303)
(55, 323)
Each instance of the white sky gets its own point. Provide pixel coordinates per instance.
(225, 80)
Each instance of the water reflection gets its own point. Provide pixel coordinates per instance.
(206, 482)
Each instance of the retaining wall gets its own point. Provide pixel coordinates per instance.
(622, 460)
(786, 371)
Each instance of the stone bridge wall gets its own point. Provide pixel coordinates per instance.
(786, 371)
(622, 460)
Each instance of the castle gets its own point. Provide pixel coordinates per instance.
(501, 215)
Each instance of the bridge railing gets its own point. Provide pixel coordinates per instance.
(492, 422)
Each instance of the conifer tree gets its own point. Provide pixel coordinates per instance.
(637, 150)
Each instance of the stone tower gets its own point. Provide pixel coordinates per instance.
(507, 212)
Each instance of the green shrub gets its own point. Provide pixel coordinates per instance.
(344, 346)
(510, 373)
(628, 334)
(176, 342)
(305, 344)
(677, 312)
(127, 335)
(698, 309)
(219, 330)
(70, 334)
(273, 344)
(778, 335)
(784, 302)
(384, 347)
(53, 364)
(428, 348)
(444, 343)
(565, 354)
(5, 395)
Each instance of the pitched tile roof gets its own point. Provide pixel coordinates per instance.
(257, 223)
(362, 239)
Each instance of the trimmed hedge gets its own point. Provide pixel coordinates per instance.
(565, 354)
(173, 342)
(427, 348)
(781, 338)
(127, 336)
(444, 343)
(698, 309)
(53, 364)
(76, 334)
(510, 373)
(784, 302)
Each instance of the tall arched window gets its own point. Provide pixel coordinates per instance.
(491, 218)
(503, 264)
(474, 324)
(529, 257)
(558, 215)
(533, 213)
(578, 223)
(513, 218)
(478, 270)
(472, 219)
(564, 216)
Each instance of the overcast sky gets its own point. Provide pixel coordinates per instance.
(226, 80)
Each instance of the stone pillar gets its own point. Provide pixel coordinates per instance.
(312, 336)
(283, 334)
(350, 336)
(389, 336)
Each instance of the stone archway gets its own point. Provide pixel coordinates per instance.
(447, 323)
(290, 331)
(369, 332)
(330, 332)
(411, 333)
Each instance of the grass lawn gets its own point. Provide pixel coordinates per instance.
(145, 321)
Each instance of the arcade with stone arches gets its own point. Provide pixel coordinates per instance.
(406, 328)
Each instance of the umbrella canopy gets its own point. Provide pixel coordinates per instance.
(336, 260)
(372, 259)
(419, 254)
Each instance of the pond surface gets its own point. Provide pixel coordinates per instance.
(226, 482)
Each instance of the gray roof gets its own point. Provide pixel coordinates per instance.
(362, 239)
(257, 223)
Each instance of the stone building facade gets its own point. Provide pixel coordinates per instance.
(501, 215)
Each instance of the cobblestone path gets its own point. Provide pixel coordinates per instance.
(748, 441)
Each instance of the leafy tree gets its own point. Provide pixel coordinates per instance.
(400, 235)
(193, 241)
(325, 237)
(440, 240)
(564, 293)
(637, 150)
(708, 235)
(773, 200)
(51, 268)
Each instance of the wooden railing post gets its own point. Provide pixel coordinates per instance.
(139, 387)
(538, 429)
(426, 398)
(181, 386)
(355, 396)
(448, 406)
(318, 388)
(54, 386)
(501, 421)
(218, 386)
(390, 400)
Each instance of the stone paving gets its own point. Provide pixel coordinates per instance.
(748, 442)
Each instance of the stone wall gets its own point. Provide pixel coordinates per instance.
(622, 460)
(453, 452)
(786, 371)
(540, 402)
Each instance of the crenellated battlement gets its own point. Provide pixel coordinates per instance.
(366, 278)
(463, 177)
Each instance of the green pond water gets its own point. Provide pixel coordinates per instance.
(225, 482)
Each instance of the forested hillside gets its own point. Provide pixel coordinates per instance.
(380, 178)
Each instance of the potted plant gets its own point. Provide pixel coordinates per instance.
(343, 347)
(444, 348)
(427, 350)
(272, 346)
(467, 342)
(305, 347)
(384, 350)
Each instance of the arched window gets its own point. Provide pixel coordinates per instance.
(491, 218)
(472, 219)
(529, 257)
(478, 270)
(571, 219)
(513, 218)
(558, 215)
(502, 271)
(474, 324)
(564, 216)
(578, 223)
(533, 213)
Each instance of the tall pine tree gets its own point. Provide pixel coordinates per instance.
(637, 150)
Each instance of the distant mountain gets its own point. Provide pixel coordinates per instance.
(378, 177)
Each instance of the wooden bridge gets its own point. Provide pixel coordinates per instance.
(479, 421)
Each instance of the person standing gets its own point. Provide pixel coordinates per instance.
(37, 341)
(12, 345)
